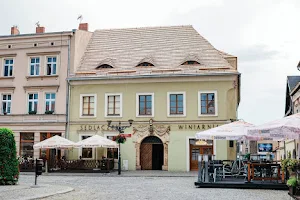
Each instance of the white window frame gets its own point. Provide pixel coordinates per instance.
(80, 149)
(9, 66)
(199, 103)
(46, 67)
(112, 134)
(184, 104)
(138, 104)
(106, 103)
(6, 103)
(33, 100)
(50, 100)
(81, 105)
(35, 66)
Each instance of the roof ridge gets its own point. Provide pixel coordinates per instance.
(143, 27)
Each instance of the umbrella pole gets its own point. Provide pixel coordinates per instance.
(284, 155)
(56, 156)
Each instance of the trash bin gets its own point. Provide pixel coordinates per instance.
(125, 164)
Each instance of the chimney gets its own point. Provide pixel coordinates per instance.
(84, 26)
(40, 29)
(14, 30)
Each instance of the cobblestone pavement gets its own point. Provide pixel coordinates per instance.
(158, 188)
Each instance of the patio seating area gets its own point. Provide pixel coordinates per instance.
(252, 174)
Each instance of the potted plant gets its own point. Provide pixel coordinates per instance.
(120, 139)
(247, 156)
(49, 112)
(292, 183)
(33, 112)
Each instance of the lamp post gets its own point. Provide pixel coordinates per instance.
(120, 129)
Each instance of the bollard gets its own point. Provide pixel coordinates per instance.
(199, 168)
(46, 167)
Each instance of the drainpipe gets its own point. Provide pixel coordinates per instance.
(68, 90)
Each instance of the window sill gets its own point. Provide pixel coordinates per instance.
(7, 77)
(207, 115)
(88, 116)
(145, 116)
(113, 116)
(176, 115)
(42, 77)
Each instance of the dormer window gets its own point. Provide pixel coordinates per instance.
(190, 62)
(145, 64)
(104, 66)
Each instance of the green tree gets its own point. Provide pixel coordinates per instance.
(9, 165)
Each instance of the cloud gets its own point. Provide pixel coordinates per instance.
(256, 53)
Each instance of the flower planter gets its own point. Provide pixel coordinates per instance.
(49, 112)
(32, 112)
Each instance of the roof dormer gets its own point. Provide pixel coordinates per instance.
(104, 66)
(145, 64)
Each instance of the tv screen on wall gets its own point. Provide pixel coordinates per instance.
(265, 147)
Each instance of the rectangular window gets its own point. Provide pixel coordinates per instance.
(176, 104)
(26, 145)
(35, 66)
(8, 67)
(33, 102)
(88, 105)
(208, 103)
(6, 103)
(145, 105)
(50, 101)
(86, 152)
(112, 152)
(113, 105)
(51, 65)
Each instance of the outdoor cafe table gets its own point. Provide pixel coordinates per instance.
(252, 166)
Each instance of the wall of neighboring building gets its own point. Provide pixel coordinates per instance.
(21, 49)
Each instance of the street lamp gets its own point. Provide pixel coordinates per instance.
(120, 129)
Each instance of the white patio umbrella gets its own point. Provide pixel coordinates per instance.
(233, 131)
(55, 142)
(280, 129)
(96, 141)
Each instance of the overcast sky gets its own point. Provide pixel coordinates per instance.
(264, 35)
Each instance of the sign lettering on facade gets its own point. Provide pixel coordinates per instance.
(196, 126)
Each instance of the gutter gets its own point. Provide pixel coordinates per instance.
(148, 76)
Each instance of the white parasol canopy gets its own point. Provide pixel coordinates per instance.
(55, 142)
(97, 141)
(281, 129)
(233, 131)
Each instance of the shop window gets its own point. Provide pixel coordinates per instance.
(86, 153)
(112, 152)
(26, 145)
(231, 143)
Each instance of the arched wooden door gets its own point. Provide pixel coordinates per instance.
(152, 153)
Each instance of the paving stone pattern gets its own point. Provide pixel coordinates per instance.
(146, 187)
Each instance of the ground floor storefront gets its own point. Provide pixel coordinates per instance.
(28, 134)
(155, 145)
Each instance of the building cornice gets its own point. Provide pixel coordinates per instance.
(152, 79)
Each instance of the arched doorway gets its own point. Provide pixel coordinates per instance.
(152, 153)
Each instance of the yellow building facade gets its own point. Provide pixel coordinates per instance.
(169, 80)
